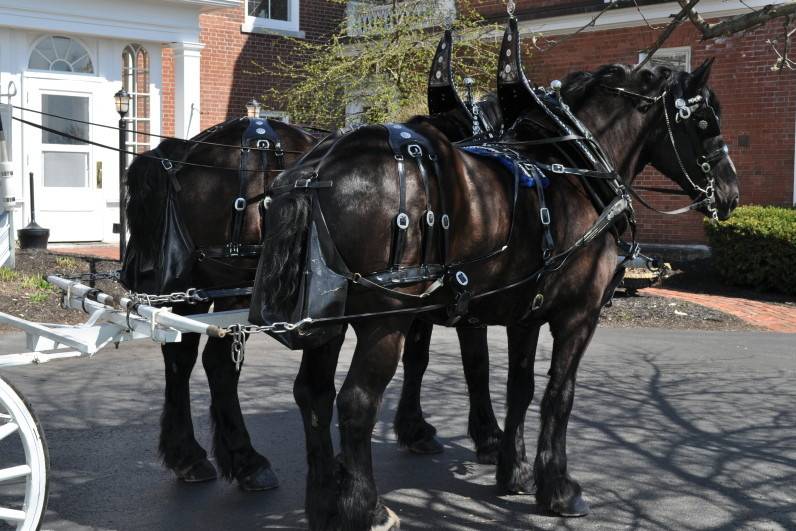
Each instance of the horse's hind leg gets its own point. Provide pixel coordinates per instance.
(514, 473)
(178, 446)
(555, 489)
(482, 426)
(232, 447)
(411, 428)
(379, 345)
(314, 392)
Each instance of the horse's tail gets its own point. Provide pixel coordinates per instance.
(282, 259)
(146, 199)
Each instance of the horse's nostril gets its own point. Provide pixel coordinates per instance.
(734, 203)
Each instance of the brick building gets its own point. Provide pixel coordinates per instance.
(192, 63)
(758, 104)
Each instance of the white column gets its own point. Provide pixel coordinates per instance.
(187, 84)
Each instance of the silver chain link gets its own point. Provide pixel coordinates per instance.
(190, 296)
(239, 333)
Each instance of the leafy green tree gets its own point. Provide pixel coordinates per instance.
(379, 64)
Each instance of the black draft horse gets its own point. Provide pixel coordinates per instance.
(632, 115)
(171, 249)
(212, 178)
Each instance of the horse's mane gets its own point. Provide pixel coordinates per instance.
(146, 193)
(578, 87)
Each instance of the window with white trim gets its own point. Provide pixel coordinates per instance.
(61, 54)
(674, 58)
(281, 116)
(135, 80)
(274, 15)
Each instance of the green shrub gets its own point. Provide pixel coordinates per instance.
(756, 247)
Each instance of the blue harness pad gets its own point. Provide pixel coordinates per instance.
(514, 164)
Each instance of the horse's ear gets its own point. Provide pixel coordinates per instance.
(699, 78)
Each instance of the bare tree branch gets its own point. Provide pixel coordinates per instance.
(664, 36)
(738, 23)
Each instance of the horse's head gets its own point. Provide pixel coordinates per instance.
(656, 116)
(686, 143)
(676, 118)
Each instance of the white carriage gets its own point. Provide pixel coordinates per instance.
(24, 486)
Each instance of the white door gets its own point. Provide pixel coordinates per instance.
(67, 173)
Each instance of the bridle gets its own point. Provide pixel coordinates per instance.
(705, 196)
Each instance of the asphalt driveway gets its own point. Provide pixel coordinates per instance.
(671, 430)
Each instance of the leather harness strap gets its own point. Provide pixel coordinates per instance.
(261, 135)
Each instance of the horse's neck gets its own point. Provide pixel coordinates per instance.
(621, 131)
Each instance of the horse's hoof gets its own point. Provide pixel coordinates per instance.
(518, 481)
(428, 446)
(198, 472)
(575, 506)
(261, 479)
(391, 521)
(488, 456)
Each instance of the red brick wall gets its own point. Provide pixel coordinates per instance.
(230, 76)
(167, 98)
(755, 101)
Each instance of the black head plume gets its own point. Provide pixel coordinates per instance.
(442, 95)
(513, 88)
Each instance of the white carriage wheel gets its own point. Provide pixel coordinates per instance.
(16, 416)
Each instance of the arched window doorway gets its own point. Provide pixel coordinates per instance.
(61, 54)
(135, 79)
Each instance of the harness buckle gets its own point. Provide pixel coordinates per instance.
(245, 149)
(399, 158)
(446, 222)
(167, 164)
(302, 183)
(232, 250)
(430, 218)
(402, 221)
(706, 167)
(462, 279)
(557, 168)
(240, 204)
(263, 144)
(415, 151)
(544, 213)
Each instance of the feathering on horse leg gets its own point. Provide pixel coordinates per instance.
(178, 447)
(555, 489)
(378, 350)
(314, 393)
(482, 426)
(514, 473)
(410, 426)
(232, 447)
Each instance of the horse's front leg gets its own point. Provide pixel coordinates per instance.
(555, 489)
(379, 345)
(410, 426)
(232, 447)
(314, 393)
(514, 473)
(178, 446)
(482, 426)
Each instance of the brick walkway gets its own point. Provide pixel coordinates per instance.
(774, 317)
(110, 251)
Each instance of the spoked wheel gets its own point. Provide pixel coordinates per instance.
(24, 463)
